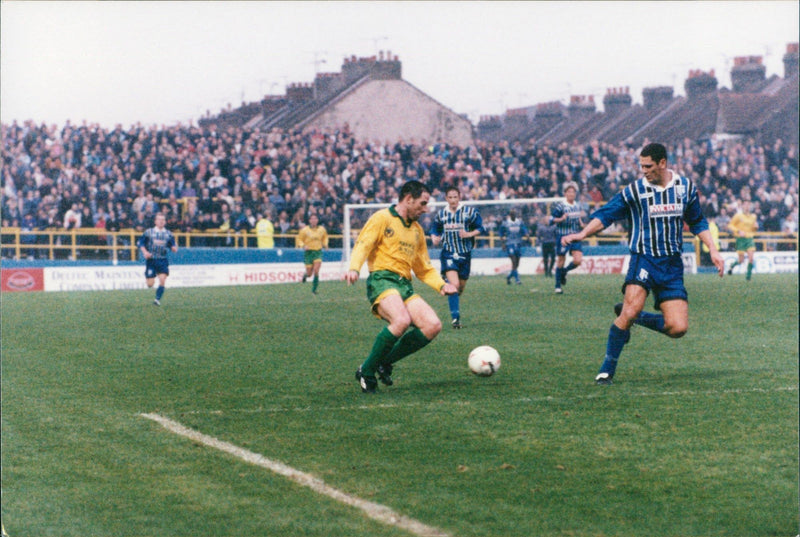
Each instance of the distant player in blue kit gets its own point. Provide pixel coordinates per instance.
(154, 245)
(513, 231)
(656, 206)
(568, 217)
(455, 228)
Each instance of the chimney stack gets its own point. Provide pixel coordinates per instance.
(581, 105)
(700, 83)
(617, 100)
(748, 73)
(657, 97)
(790, 60)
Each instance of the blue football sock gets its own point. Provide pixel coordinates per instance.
(653, 321)
(453, 301)
(570, 266)
(159, 292)
(617, 338)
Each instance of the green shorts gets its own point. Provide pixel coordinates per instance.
(744, 244)
(385, 282)
(312, 255)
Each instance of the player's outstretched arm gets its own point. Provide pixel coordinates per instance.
(713, 252)
(351, 277)
(595, 225)
(448, 289)
(719, 262)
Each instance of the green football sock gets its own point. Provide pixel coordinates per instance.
(380, 349)
(749, 270)
(314, 284)
(409, 343)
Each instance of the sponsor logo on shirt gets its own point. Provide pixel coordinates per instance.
(664, 210)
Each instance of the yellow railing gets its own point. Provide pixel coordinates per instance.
(765, 241)
(93, 243)
(89, 242)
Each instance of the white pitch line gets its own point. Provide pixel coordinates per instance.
(375, 511)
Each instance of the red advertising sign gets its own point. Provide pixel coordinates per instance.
(28, 279)
(603, 264)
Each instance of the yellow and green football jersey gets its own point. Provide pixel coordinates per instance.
(314, 238)
(744, 222)
(388, 242)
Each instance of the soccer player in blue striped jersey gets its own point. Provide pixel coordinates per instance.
(568, 217)
(154, 244)
(513, 231)
(455, 228)
(656, 206)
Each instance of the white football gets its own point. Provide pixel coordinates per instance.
(484, 361)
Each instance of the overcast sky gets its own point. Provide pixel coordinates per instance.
(165, 62)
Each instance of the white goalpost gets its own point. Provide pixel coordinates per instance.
(491, 211)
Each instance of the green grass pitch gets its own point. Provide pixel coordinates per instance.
(697, 437)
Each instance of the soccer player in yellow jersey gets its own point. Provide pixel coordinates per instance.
(743, 225)
(313, 238)
(392, 243)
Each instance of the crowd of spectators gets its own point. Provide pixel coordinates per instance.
(205, 179)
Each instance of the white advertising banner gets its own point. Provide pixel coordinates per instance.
(106, 278)
(110, 277)
(764, 262)
(596, 264)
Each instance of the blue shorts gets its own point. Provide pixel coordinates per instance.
(661, 275)
(155, 266)
(576, 246)
(461, 263)
(514, 250)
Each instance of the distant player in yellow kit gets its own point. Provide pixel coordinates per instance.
(313, 238)
(392, 243)
(743, 225)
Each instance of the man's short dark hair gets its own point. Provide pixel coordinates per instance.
(452, 187)
(655, 151)
(413, 188)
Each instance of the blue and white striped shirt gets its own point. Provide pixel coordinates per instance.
(513, 231)
(447, 224)
(157, 241)
(656, 215)
(574, 213)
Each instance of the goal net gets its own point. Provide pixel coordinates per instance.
(493, 213)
